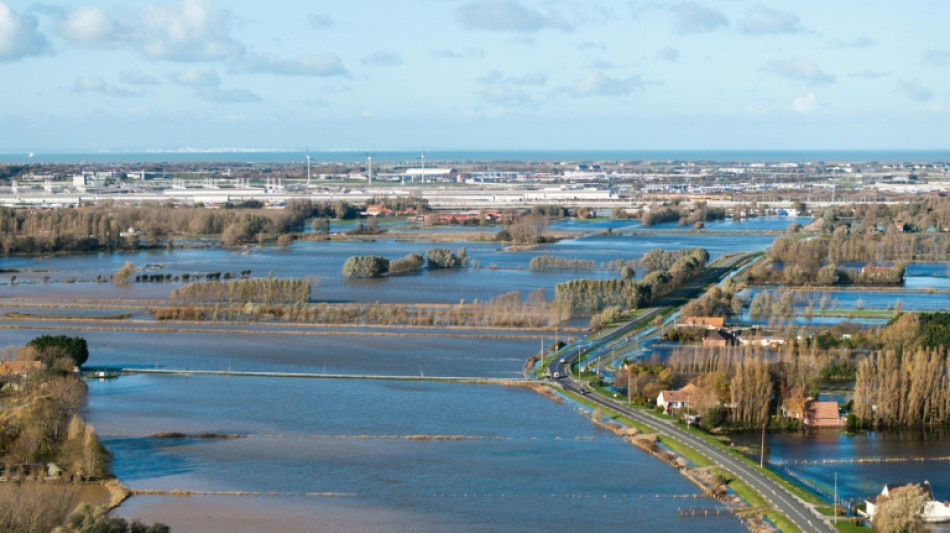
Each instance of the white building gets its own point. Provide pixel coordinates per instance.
(933, 511)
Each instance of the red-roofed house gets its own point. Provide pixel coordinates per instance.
(813, 413)
(18, 368)
(709, 322)
(823, 415)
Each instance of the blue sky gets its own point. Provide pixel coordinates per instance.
(474, 74)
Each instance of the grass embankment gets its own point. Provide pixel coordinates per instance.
(51, 317)
(261, 331)
(757, 504)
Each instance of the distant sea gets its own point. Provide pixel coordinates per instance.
(436, 157)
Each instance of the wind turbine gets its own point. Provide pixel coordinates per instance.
(422, 157)
(369, 172)
(308, 166)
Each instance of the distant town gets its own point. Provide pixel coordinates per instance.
(472, 185)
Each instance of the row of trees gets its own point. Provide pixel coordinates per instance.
(844, 247)
(267, 291)
(903, 388)
(815, 262)
(593, 295)
(547, 263)
(699, 213)
(659, 259)
(374, 266)
(95, 228)
(507, 310)
(718, 300)
(924, 213)
(907, 382)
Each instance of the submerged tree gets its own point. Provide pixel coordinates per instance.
(365, 266)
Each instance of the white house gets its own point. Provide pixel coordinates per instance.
(933, 511)
(675, 399)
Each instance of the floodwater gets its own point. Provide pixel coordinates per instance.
(494, 270)
(806, 456)
(318, 454)
(339, 457)
(886, 299)
(336, 354)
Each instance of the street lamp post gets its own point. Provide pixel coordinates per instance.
(578, 363)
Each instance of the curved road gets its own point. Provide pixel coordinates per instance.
(800, 513)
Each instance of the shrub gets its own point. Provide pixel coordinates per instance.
(411, 263)
(365, 266)
(443, 258)
(49, 346)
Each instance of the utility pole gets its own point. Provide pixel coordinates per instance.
(630, 385)
(687, 411)
(762, 451)
(578, 363)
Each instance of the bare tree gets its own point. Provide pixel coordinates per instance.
(900, 513)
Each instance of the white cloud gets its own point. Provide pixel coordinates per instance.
(762, 20)
(320, 21)
(227, 96)
(325, 64)
(869, 74)
(505, 95)
(507, 15)
(89, 26)
(509, 91)
(194, 77)
(692, 17)
(668, 54)
(597, 83)
(858, 42)
(19, 35)
(471, 53)
(137, 77)
(524, 79)
(191, 31)
(95, 84)
(591, 45)
(914, 90)
(382, 58)
(806, 104)
(799, 70)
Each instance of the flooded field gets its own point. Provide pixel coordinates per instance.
(858, 462)
(379, 456)
(337, 354)
(493, 271)
(857, 299)
(317, 454)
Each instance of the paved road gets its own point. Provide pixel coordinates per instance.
(800, 513)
